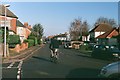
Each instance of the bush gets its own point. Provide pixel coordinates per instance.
(1, 35)
(84, 47)
(33, 38)
(30, 42)
(25, 41)
(35, 41)
(13, 40)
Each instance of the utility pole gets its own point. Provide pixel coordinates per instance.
(5, 54)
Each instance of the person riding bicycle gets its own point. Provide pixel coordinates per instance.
(54, 46)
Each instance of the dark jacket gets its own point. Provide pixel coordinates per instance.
(54, 44)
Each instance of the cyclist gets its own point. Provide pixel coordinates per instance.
(54, 46)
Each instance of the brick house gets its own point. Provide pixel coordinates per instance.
(21, 31)
(14, 26)
(27, 30)
(11, 20)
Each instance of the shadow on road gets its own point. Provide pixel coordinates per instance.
(40, 58)
(83, 73)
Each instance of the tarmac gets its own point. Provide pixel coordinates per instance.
(22, 55)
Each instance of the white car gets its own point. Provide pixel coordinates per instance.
(68, 45)
(111, 70)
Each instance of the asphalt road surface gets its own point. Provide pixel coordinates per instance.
(70, 65)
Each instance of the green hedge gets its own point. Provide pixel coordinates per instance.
(35, 41)
(33, 38)
(13, 40)
(31, 42)
(85, 47)
(1, 35)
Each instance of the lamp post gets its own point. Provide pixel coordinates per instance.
(7, 5)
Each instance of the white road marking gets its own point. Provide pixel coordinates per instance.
(19, 70)
(18, 77)
(11, 65)
(20, 64)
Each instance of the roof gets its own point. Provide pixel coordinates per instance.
(9, 13)
(50, 37)
(19, 24)
(105, 35)
(61, 35)
(103, 27)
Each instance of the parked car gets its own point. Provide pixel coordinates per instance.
(67, 45)
(106, 52)
(76, 44)
(111, 70)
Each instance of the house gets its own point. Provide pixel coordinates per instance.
(28, 29)
(11, 20)
(61, 37)
(107, 38)
(98, 30)
(21, 31)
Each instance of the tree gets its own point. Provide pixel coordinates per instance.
(111, 22)
(78, 29)
(75, 29)
(38, 31)
(85, 28)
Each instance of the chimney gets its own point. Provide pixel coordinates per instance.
(26, 24)
(29, 27)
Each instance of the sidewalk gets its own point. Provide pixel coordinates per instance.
(22, 55)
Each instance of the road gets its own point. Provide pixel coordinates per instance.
(71, 65)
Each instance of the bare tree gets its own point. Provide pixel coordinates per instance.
(78, 29)
(75, 28)
(85, 28)
(111, 22)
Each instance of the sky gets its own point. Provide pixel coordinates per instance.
(57, 16)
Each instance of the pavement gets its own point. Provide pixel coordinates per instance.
(22, 55)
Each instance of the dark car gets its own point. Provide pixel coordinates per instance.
(106, 52)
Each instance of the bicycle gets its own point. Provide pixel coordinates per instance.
(54, 56)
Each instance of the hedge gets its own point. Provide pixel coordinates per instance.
(35, 41)
(1, 35)
(13, 40)
(33, 38)
(85, 47)
(30, 42)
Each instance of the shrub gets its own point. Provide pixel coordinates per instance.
(1, 35)
(33, 38)
(25, 41)
(13, 40)
(84, 47)
(30, 42)
(35, 41)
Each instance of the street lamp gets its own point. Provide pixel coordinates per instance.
(6, 5)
